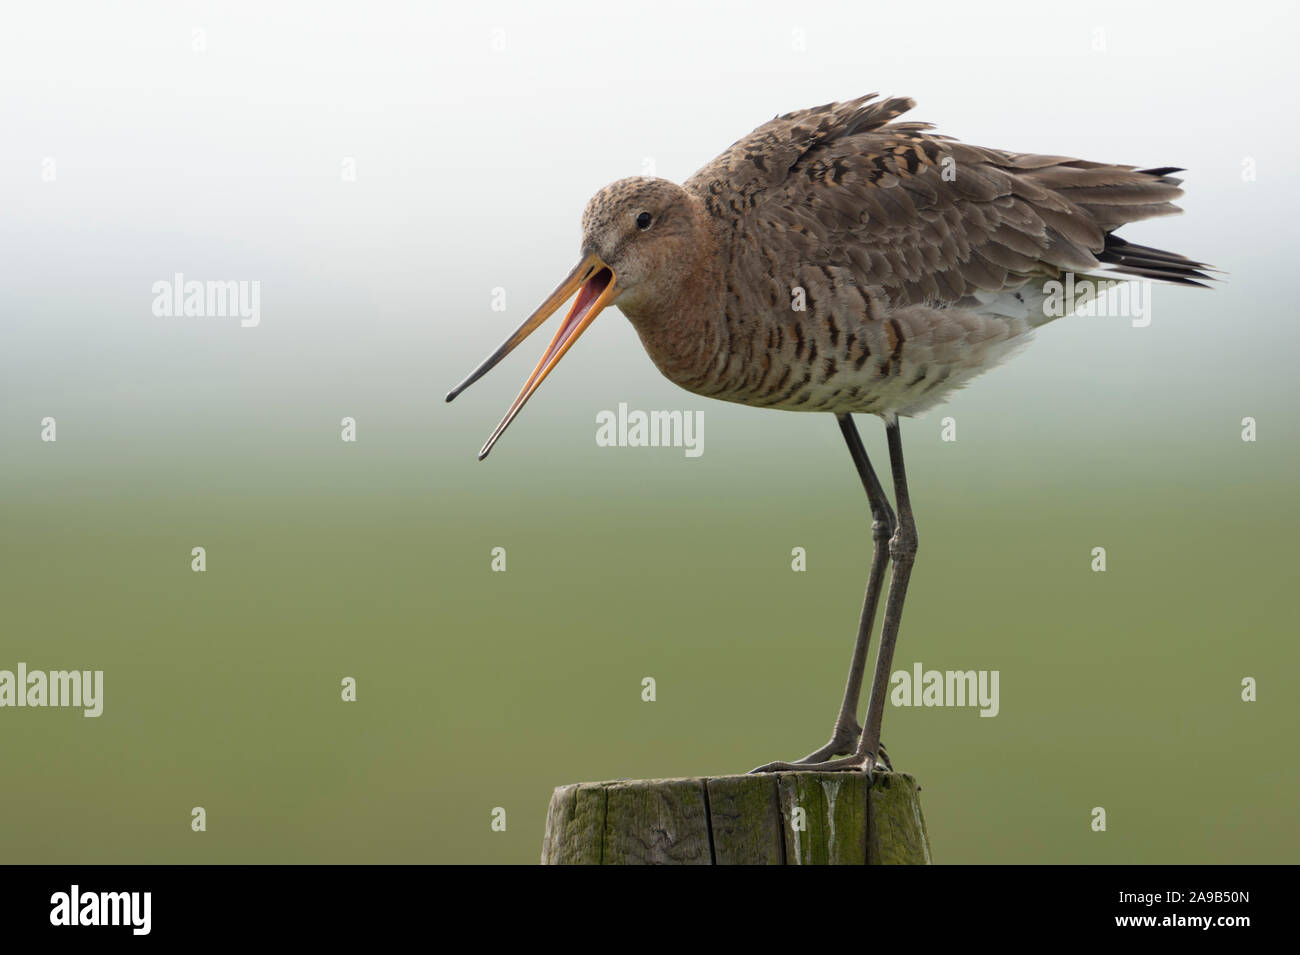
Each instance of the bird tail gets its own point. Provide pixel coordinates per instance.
(1142, 261)
(1109, 197)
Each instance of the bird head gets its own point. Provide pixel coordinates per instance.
(640, 229)
(638, 236)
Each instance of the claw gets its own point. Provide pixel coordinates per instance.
(882, 758)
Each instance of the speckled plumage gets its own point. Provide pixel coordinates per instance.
(838, 260)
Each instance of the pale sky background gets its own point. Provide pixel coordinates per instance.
(478, 133)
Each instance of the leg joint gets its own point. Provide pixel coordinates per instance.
(903, 543)
(883, 523)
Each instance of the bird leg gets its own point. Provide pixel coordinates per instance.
(902, 551)
(846, 731)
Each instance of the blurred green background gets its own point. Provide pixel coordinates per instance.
(372, 560)
(481, 689)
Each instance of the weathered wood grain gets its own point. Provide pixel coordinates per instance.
(656, 822)
(575, 825)
(895, 827)
(769, 819)
(745, 818)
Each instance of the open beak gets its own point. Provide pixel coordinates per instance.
(594, 282)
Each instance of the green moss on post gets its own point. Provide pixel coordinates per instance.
(834, 818)
(745, 820)
(662, 823)
(575, 825)
(895, 827)
(781, 819)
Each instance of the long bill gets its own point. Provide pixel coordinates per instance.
(594, 282)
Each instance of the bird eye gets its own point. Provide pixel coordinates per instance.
(643, 221)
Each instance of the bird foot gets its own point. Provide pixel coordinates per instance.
(850, 764)
(844, 742)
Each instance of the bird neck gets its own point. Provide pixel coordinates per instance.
(681, 328)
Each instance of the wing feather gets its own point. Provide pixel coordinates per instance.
(923, 218)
